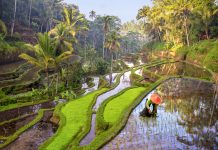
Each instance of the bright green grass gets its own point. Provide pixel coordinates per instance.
(116, 106)
(76, 117)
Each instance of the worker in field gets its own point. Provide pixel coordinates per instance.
(151, 106)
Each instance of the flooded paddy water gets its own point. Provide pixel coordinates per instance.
(114, 75)
(124, 83)
(187, 119)
(10, 128)
(35, 136)
(139, 72)
(95, 87)
(17, 112)
(181, 68)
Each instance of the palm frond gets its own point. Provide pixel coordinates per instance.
(31, 60)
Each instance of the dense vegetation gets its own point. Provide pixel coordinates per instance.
(183, 27)
(52, 53)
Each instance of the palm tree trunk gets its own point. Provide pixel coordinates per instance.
(14, 17)
(67, 76)
(186, 32)
(57, 82)
(103, 44)
(111, 69)
(93, 40)
(1, 9)
(30, 12)
(41, 27)
(85, 49)
(207, 32)
(159, 35)
(47, 75)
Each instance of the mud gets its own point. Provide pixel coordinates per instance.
(8, 129)
(17, 112)
(35, 136)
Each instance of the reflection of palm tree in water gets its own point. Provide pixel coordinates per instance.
(193, 120)
(214, 103)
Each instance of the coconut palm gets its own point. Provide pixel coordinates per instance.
(182, 11)
(63, 38)
(92, 14)
(14, 17)
(106, 23)
(74, 20)
(113, 45)
(207, 12)
(44, 55)
(152, 15)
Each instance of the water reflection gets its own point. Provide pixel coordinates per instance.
(186, 120)
(139, 72)
(114, 75)
(181, 68)
(95, 87)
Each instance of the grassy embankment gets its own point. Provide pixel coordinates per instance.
(203, 53)
(116, 106)
(74, 120)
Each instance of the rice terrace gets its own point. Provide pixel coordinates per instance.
(108, 75)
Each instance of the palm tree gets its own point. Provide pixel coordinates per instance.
(14, 17)
(152, 15)
(106, 23)
(1, 9)
(30, 12)
(74, 20)
(44, 52)
(44, 55)
(92, 14)
(61, 34)
(57, 64)
(206, 13)
(182, 11)
(113, 45)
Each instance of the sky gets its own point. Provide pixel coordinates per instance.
(126, 10)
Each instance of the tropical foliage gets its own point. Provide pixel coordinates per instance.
(178, 21)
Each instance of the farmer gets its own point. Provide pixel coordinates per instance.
(154, 101)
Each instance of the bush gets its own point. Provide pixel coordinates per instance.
(3, 29)
(211, 60)
(2, 94)
(6, 48)
(102, 66)
(182, 52)
(203, 46)
(156, 46)
(76, 75)
(102, 82)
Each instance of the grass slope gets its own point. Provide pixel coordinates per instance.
(75, 113)
(115, 107)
